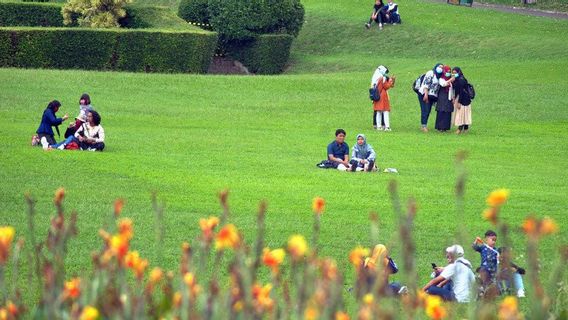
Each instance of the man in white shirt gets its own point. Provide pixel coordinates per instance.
(454, 281)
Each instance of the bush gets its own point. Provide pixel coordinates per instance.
(194, 11)
(267, 54)
(30, 14)
(79, 48)
(95, 13)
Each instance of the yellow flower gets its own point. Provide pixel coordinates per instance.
(119, 246)
(357, 256)
(434, 308)
(207, 226)
(311, 313)
(498, 197)
(297, 246)
(273, 258)
(228, 237)
(261, 296)
(490, 214)
(318, 205)
(509, 309)
(177, 299)
(125, 228)
(368, 299)
(6, 237)
(156, 275)
(72, 288)
(89, 313)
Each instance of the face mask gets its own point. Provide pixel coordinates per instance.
(448, 74)
(457, 75)
(439, 70)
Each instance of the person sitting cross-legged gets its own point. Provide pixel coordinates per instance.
(338, 151)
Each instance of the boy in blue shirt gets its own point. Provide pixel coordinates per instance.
(489, 257)
(338, 151)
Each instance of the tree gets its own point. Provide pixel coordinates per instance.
(94, 13)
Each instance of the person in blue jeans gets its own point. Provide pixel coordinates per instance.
(454, 281)
(428, 94)
(509, 276)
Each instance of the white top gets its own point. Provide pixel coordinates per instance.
(96, 132)
(462, 278)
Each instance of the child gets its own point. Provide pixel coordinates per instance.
(489, 257)
(363, 155)
(382, 107)
(84, 108)
(512, 272)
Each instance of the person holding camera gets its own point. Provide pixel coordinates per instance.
(48, 120)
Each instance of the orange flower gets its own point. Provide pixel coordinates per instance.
(59, 195)
(368, 299)
(498, 197)
(548, 226)
(12, 309)
(118, 204)
(490, 214)
(328, 269)
(261, 296)
(297, 246)
(509, 309)
(6, 237)
(207, 226)
(434, 308)
(228, 237)
(358, 255)
(125, 228)
(189, 279)
(530, 226)
(311, 313)
(340, 315)
(177, 299)
(119, 246)
(133, 261)
(536, 228)
(318, 205)
(89, 313)
(273, 258)
(156, 275)
(72, 288)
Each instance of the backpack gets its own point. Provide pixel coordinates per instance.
(470, 90)
(374, 94)
(418, 83)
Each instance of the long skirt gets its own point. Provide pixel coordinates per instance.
(463, 116)
(443, 120)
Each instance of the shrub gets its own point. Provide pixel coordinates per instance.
(194, 11)
(64, 48)
(30, 14)
(266, 54)
(95, 13)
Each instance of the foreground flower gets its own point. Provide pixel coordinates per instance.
(228, 237)
(498, 197)
(357, 256)
(340, 315)
(118, 205)
(89, 313)
(133, 261)
(318, 205)
(6, 237)
(119, 246)
(297, 246)
(72, 288)
(536, 228)
(509, 309)
(273, 258)
(490, 214)
(261, 297)
(207, 226)
(434, 308)
(156, 275)
(125, 228)
(59, 195)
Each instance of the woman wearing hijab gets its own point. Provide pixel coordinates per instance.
(380, 264)
(363, 155)
(445, 106)
(428, 93)
(382, 106)
(462, 101)
(49, 120)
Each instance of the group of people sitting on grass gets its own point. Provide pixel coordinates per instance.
(457, 280)
(383, 14)
(85, 133)
(362, 155)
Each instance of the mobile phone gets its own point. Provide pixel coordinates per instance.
(434, 266)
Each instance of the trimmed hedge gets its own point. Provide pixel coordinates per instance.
(30, 14)
(107, 49)
(267, 54)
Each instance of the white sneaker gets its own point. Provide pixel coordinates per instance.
(403, 290)
(521, 293)
(380, 128)
(387, 129)
(61, 147)
(44, 143)
(380, 26)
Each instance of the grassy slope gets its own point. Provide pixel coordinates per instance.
(190, 136)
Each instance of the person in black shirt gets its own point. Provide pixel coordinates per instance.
(378, 14)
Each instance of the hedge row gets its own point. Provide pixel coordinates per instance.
(266, 54)
(105, 49)
(30, 14)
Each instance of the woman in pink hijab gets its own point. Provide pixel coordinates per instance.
(445, 105)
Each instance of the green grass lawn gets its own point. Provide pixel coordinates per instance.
(190, 136)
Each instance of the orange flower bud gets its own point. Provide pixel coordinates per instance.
(207, 226)
(118, 204)
(6, 237)
(228, 237)
(357, 256)
(59, 195)
(119, 246)
(548, 226)
(498, 197)
(72, 288)
(156, 275)
(490, 214)
(125, 228)
(530, 226)
(340, 315)
(434, 308)
(318, 205)
(509, 309)
(273, 258)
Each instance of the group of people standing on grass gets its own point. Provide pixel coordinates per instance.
(85, 133)
(444, 88)
(457, 280)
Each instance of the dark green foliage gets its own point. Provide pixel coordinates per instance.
(30, 14)
(101, 49)
(267, 54)
(194, 11)
(134, 18)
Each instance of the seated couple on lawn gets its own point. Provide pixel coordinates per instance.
(86, 133)
(362, 157)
